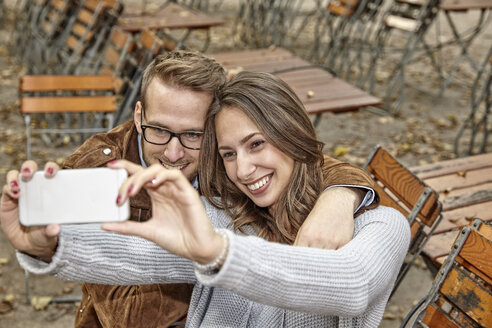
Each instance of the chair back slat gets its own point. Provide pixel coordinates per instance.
(37, 105)
(33, 83)
(403, 184)
(461, 293)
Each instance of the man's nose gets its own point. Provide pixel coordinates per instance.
(174, 150)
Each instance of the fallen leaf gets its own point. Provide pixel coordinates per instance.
(461, 174)
(40, 302)
(68, 288)
(389, 316)
(8, 149)
(340, 151)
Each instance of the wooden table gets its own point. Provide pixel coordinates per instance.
(319, 90)
(465, 190)
(170, 16)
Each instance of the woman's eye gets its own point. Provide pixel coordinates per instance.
(227, 155)
(257, 143)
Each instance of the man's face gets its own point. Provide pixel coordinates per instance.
(178, 110)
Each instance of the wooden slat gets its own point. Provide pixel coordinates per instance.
(440, 244)
(406, 186)
(91, 4)
(435, 318)
(468, 296)
(119, 38)
(84, 16)
(387, 200)
(340, 10)
(72, 42)
(79, 29)
(447, 183)
(453, 166)
(31, 105)
(466, 197)
(31, 83)
(456, 218)
(150, 41)
(477, 251)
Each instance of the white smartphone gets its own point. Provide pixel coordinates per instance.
(72, 196)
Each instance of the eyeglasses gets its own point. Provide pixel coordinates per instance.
(160, 136)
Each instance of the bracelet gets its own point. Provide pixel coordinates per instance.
(214, 266)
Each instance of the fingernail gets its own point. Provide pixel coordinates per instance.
(113, 162)
(15, 192)
(130, 189)
(26, 170)
(14, 184)
(153, 181)
(118, 199)
(50, 170)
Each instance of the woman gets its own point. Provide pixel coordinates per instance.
(266, 164)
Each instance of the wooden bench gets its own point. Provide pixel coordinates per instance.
(461, 294)
(50, 94)
(318, 89)
(465, 190)
(399, 188)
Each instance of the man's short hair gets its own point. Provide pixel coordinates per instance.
(184, 69)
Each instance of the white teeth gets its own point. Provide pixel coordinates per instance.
(259, 184)
(169, 167)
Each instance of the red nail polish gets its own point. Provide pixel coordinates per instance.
(50, 170)
(14, 184)
(130, 189)
(113, 162)
(26, 170)
(118, 199)
(15, 192)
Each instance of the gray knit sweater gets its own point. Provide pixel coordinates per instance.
(262, 284)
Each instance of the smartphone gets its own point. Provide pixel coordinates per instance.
(72, 196)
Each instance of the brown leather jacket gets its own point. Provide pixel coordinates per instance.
(125, 306)
(154, 305)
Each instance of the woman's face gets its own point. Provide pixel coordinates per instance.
(256, 167)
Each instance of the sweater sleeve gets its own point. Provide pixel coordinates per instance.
(336, 172)
(340, 282)
(87, 253)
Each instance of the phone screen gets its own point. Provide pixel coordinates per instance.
(72, 196)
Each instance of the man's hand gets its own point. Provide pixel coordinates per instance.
(330, 225)
(38, 241)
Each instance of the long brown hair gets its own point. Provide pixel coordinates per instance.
(279, 114)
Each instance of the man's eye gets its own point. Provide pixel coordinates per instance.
(192, 135)
(158, 131)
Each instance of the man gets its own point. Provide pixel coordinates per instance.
(177, 90)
